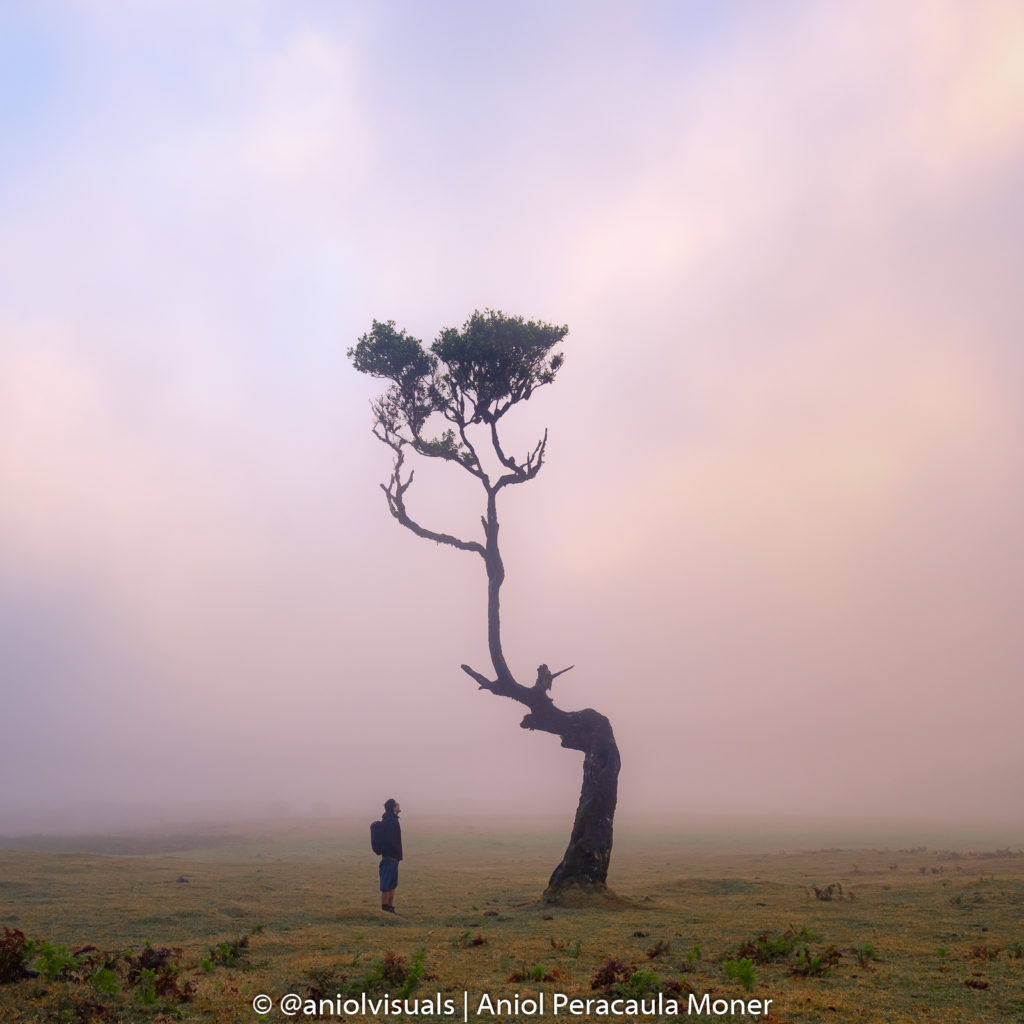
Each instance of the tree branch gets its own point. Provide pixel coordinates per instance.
(485, 683)
(504, 459)
(479, 471)
(395, 490)
(510, 688)
(575, 728)
(520, 473)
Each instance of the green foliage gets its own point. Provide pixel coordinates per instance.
(104, 980)
(466, 939)
(538, 972)
(771, 947)
(145, 990)
(385, 975)
(230, 954)
(416, 971)
(691, 958)
(866, 953)
(372, 981)
(394, 971)
(472, 375)
(53, 960)
(391, 354)
(643, 983)
(742, 972)
(618, 978)
(496, 361)
(155, 975)
(14, 954)
(811, 965)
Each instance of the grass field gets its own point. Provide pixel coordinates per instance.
(194, 926)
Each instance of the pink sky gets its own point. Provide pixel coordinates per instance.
(778, 533)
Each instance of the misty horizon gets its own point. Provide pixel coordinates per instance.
(82, 825)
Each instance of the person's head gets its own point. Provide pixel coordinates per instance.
(392, 807)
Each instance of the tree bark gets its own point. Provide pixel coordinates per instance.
(586, 858)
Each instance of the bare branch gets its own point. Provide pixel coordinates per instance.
(509, 688)
(386, 426)
(395, 490)
(479, 471)
(485, 683)
(545, 677)
(506, 460)
(538, 452)
(525, 472)
(520, 471)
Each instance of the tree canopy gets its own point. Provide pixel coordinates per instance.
(468, 376)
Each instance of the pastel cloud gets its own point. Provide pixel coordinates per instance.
(785, 459)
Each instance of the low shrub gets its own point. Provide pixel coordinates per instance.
(14, 954)
(742, 972)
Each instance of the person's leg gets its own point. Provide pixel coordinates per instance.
(388, 884)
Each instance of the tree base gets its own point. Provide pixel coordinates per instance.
(584, 894)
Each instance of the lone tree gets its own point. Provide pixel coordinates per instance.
(470, 379)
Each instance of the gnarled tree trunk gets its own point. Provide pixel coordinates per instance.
(586, 858)
(585, 863)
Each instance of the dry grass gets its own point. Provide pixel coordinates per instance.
(948, 930)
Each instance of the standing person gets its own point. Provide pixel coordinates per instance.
(390, 854)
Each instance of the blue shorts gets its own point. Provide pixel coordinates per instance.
(388, 874)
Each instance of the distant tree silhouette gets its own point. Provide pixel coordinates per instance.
(466, 382)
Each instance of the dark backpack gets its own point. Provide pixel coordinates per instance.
(376, 827)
